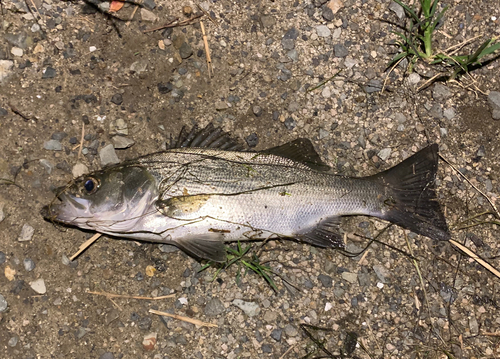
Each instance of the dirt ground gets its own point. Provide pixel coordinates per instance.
(67, 67)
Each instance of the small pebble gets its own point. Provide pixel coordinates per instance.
(250, 308)
(49, 73)
(13, 341)
(26, 233)
(214, 307)
(16, 51)
(29, 265)
(384, 154)
(79, 170)
(3, 304)
(122, 142)
(257, 110)
(117, 99)
(2, 214)
(38, 286)
(276, 334)
(107, 355)
(108, 156)
(53, 145)
(252, 140)
(149, 341)
(325, 280)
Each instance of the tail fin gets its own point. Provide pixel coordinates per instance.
(415, 205)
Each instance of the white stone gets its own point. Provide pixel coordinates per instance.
(79, 170)
(323, 31)
(26, 233)
(326, 93)
(38, 286)
(384, 154)
(17, 51)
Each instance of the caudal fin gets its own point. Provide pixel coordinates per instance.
(414, 204)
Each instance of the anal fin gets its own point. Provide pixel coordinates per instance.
(326, 234)
(206, 246)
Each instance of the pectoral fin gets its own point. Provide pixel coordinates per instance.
(326, 234)
(206, 246)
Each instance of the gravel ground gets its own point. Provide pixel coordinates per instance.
(64, 65)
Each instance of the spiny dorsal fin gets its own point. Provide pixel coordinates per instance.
(208, 137)
(300, 150)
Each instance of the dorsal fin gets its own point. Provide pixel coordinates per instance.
(208, 137)
(300, 150)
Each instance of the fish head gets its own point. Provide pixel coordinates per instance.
(110, 201)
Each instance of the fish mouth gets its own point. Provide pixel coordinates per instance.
(68, 211)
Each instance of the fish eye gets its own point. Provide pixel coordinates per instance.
(91, 185)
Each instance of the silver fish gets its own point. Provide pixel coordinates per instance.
(204, 193)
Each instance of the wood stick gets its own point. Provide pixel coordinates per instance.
(84, 246)
(207, 51)
(474, 256)
(81, 141)
(126, 296)
(184, 319)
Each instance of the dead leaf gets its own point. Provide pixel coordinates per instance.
(115, 5)
(9, 273)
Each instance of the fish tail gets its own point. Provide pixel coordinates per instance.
(413, 202)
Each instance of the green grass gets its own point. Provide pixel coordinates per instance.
(245, 261)
(416, 42)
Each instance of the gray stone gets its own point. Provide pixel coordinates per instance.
(214, 307)
(323, 31)
(350, 277)
(118, 127)
(139, 66)
(414, 78)
(291, 330)
(440, 92)
(293, 106)
(399, 117)
(276, 334)
(397, 9)
(117, 99)
(108, 156)
(13, 341)
(19, 39)
(185, 50)
(122, 142)
(443, 132)
(252, 140)
(494, 101)
(288, 44)
(293, 55)
(449, 113)
(3, 112)
(29, 265)
(2, 214)
(3, 258)
(221, 105)
(38, 286)
(481, 151)
(436, 111)
(384, 154)
(328, 14)
(168, 248)
(268, 21)
(257, 110)
(373, 86)
(322, 133)
(340, 50)
(267, 348)
(108, 355)
(288, 40)
(26, 233)
(150, 4)
(147, 15)
(325, 280)
(53, 145)
(290, 123)
(382, 273)
(49, 73)
(3, 304)
(250, 308)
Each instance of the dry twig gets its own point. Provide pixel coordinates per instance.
(184, 319)
(84, 246)
(475, 257)
(207, 51)
(126, 296)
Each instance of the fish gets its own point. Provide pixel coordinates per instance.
(206, 190)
